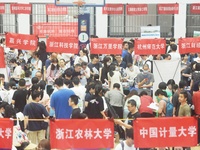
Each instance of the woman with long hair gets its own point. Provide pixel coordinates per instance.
(83, 57)
(105, 69)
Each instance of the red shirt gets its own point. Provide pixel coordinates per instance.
(145, 101)
(196, 102)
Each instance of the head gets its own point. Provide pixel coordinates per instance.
(27, 73)
(183, 97)
(62, 63)
(160, 94)
(132, 92)
(162, 86)
(38, 75)
(91, 88)
(13, 62)
(44, 145)
(36, 96)
(143, 93)
(184, 57)
(98, 90)
(118, 58)
(73, 100)
(2, 107)
(75, 81)
(146, 68)
(182, 84)
(170, 83)
(172, 40)
(167, 57)
(130, 47)
(77, 68)
(175, 88)
(197, 68)
(84, 65)
(173, 47)
(53, 56)
(34, 80)
(107, 61)
(129, 137)
(68, 74)
(157, 57)
(42, 46)
(35, 55)
(59, 82)
(130, 66)
(2, 78)
(125, 45)
(21, 56)
(116, 86)
(132, 105)
(94, 58)
(22, 83)
(12, 85)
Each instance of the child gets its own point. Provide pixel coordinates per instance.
(73, 102)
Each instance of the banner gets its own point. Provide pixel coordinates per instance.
(113, 9)
(150, 32)
(168, 8)
(195, 8)
(6, 133)
(2, 8)
(169, 132)
(21, 41)
(59, 29)
(150, 46)
(2, 60)
(189, 45)
(52, 9)
(106, 46)
(62, 45)
(89, 133)
(20, 8)
(136, 9)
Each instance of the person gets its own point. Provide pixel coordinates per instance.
(34, 110)
(76, 71)
(17, 70)
(40, 80)
(125, 48)
(128, 57)
(173, 53)
(36, 63)
(94, 65)
(73, 102)
(3, 85)
(105, 69)
(90, 95)
(145, 80)
(59, 100)
(62, 65)
(42, 52)
(2, 108)
(85, 74)
(81, 58)
(116, 99)
(128, 144)
(48, 61)
(195, 78)
(44, 145)
(20, 96)
(167, 57)
(11, 91)
(119, 61)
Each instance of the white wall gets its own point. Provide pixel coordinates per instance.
(101, 20)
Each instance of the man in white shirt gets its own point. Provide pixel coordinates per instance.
(128, 143)
(173, 53)
(17, 70)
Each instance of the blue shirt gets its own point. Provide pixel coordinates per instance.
(124, 53)
(59, 101)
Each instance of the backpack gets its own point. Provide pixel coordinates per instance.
(169, 108)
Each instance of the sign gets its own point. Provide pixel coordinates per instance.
(196, 33)
(21, 41)
(106, 45)
(2, 8)
(89, 133)
(83, 30)
(113, 9)
(6, 133)
(136, 9)
(150, 32)
(2, 60)
(20, 8)
(168, 8)
(52, 9)
(189, 45)
(195, 8)
(150, 46)
(58, 29)
(169, 132)
(62, 45)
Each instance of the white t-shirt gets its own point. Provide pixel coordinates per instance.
(79, 60)
(132, 74)
(175, 56)
(126, 147)
(17, 72)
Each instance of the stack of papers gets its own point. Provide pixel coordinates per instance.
(153, 106)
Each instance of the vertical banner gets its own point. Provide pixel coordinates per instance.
(2, 58)
(21, 41)
(83, 30)
(88, 134)
(6, 133)
(52, 9)
(168, 8)
(20, 8)
(113, 9)
(136, 9)
(150, 46)
(169, 132)
(2, 8)
(189, 45)
(106, 46)
(195, 8)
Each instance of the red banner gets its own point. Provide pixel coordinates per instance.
(106, 45)
(150, 46)
(2, 8)
(59, 29)
(62, 45)
(168, 8)
(96, 133)
(52, 9)
(165, 132)
(2, 60)
(113, 9)
(21, 41)
(136, 9)
(189, 45)
(6, 133)
(20, 8)
(195, 8)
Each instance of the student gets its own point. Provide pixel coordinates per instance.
(73, 102)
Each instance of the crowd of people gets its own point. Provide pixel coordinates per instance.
(45, 85)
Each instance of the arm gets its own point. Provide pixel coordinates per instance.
(119, 122)
(25, 122)
(148, 85)
(161, 107)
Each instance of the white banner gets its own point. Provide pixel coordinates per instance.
(150, 32)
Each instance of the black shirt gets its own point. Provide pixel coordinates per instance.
(76, 113)
(133, 116)
(128, 59)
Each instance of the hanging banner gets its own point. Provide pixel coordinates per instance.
(90, 133)
(58, 29)
(169, 132)
(195, 8)
(150, 46)
(189, 45)
(168, 8)
(2, 60)
(136, 9)
(6, 133)
(21, 41)
(113, 9)
(106, 45)
(20, 8)
(52, 9)
(2, 8)
(150, 32)
(62, 45)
